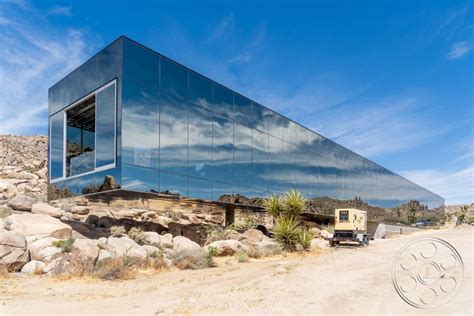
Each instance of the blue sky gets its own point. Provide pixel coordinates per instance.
(390, 80)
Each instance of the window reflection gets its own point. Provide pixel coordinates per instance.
(222, 149)
(56, 140)
(200, 142)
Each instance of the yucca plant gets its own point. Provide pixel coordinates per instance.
(286, 231)
(294, 203)
(304, 238)
(274, 205)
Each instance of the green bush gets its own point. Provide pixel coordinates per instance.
(274, 205)
(294, 204)
(285, 232)
(304, 238)
(242, 225)
(65, 244)
(137, 235)
(470, 220)
(328, 228)
(5, 211)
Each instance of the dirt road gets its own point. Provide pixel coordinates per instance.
(338, 281)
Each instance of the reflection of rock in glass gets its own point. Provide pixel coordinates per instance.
(142, 156)
(108, 184)
(82, 163)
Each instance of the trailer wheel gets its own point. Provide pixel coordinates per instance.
(367, 241)
(332, 243)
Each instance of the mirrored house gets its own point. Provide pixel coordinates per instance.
(130, 118)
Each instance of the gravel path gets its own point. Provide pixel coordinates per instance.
(337, 281)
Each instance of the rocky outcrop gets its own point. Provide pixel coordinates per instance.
(46, 209)
(37, 226)
(33, 267)
(126, 247)
(13, 251)
(21, 203)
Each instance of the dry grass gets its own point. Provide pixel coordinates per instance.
(137, 235)
(192, 259)
(5, 211)
(114, 269)
(241, 257)
(117, 231)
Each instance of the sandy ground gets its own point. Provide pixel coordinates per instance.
(336, 281)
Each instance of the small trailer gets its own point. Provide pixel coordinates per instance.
(350, 226)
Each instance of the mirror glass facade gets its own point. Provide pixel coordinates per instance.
(176, 131)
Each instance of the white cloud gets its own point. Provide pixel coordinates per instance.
(457, 187)
(34, 57)
(459, 50)
(61, 10)
(224, 25)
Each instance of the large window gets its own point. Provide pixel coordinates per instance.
(88, 136)
(80, 138)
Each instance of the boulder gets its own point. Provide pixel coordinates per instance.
(11, 191)
(268, 247)
(104, 255)
(33, 267)
(181, 243)
(166, 241)
(3, 226)
(227, 247)
(253, 235)
(13, 251)
(324, 233)
(36, 246)
(80, 260)
(37, 226)
(46, 209)
(152, 238)
(318, 244)
(315, 231)
(49, 253)
(26, 175)
(21, 203)
(79, 210)
(126, 247)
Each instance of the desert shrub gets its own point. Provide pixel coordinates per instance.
(304, 238)
(242, 225)
(65, 244)
(117, 231)
(193, 259)
(112, 269)
(5, 211)
(470, 220)
(241, 256)
(157, 261)
(274, 205)
(285, 232)
(294, 204)
(217, 232)
(137, 235)
(212, 251)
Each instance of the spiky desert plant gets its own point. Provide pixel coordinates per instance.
(294, 204)
(274, 205)
(285, 231)
(463, 213)
(304, 238)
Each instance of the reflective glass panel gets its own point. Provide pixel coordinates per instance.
(56, 141)
(140, 64)
(139, 179)
(275, 173)
(242, 155)
(105, 131)
(243, 110)
(140, 124)
(173, 184)
(174, 79)
(200, 90)
(259, 159)
(223, 100)
(200, 188)
(200, 142)
(219, 189)
(173, 135)
(222, 149)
